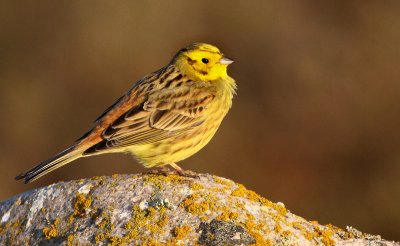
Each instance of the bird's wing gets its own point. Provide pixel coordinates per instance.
(165, 113)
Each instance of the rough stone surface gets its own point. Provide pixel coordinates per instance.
(150, 209)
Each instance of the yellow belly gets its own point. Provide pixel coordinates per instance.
(173, 149)
(180, 147)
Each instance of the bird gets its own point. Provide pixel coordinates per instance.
(165, 117)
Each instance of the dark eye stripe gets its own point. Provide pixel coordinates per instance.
(191, 61)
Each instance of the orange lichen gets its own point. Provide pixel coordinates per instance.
(277, 228)
(81, 204)
(251, 195)
(100, 237)
(152, 242)
(51, 232)
(4, 228)
(196, 186)
(195, 204)
(163, 221)
(241, 191)
(70, 239)
(260, 239)
(318, 232)
(180, 232)
(159, 180)
(222, 181)
(326, 236)
(227, 215)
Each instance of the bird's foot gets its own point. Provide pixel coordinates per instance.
(184, 173)
(176, 170)
(162, 171)
(189, 174)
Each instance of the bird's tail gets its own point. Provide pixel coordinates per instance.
(49, 165)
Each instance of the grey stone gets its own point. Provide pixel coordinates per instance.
(151, 209)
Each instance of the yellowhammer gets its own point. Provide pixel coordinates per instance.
(164, 118)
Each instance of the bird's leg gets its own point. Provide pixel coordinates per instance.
(177, 168)
(185, 173)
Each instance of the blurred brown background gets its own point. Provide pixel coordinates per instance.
(315, 123)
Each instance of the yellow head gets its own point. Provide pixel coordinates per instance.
(203, 62)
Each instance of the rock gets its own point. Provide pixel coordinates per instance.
(151, 209)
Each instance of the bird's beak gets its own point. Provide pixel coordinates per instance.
(226, 61)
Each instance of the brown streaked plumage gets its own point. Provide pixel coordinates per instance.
(165, 117)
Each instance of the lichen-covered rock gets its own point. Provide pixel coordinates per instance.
(150, 209)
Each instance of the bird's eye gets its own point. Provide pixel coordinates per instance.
(205, 60)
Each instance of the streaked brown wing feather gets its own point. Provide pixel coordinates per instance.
(166, 113)
(168, 120)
